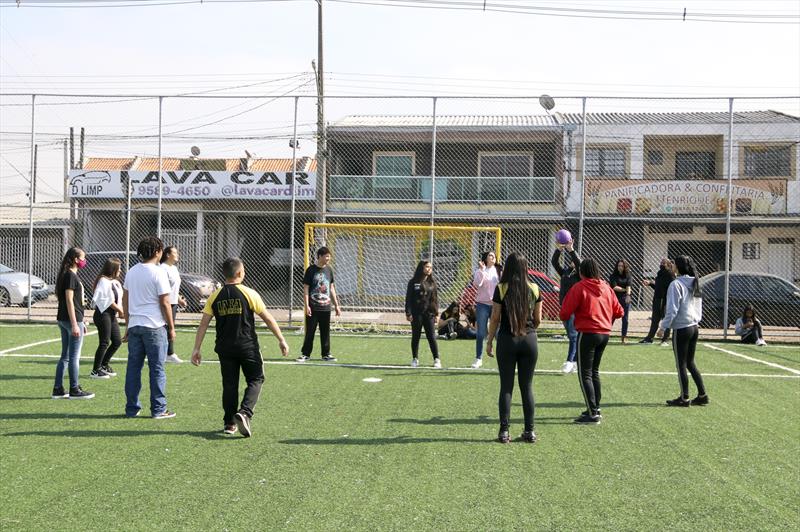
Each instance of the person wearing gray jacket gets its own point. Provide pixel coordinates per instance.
(683, 313)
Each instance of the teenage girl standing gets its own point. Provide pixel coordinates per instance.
(620, 282)
(485, 280)
(595, 308)
(683, 314)
(107, 300)
(422, 309)
(517, 309)
(69, 291)
(169, 259)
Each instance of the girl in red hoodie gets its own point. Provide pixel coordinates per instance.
(595, 307)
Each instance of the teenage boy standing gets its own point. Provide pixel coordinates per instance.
(318, 293)
(235, 306)
(145, 304)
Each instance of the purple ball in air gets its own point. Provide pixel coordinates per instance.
(563, 236)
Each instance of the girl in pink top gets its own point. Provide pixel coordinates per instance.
(485, 280)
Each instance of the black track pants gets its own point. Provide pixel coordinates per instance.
(590, 352)
(684, 343)
(418, 323)
(521, 353)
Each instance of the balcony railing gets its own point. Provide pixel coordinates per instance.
(448, 189)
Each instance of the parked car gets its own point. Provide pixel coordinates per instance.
(195, 287)
(548, 289)
(14, 288)
(777, 301)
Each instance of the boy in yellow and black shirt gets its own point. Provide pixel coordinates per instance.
(235, 306)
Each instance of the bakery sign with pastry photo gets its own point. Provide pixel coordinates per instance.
(751, 196)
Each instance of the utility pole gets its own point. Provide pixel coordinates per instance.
(322, 148)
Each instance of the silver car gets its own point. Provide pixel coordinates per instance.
(14, 288)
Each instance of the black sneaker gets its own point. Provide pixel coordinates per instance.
(243, 423)
(645, 341)
(303, 358)
(230, 429)
(78, 393)
(110, 372)
(528, 436)
(59, 393)
(99, 374)
(679, 401)
(329, 358)
(597, 413)
(503, 436)
(166, 414)
(700, 400)
(585, 419)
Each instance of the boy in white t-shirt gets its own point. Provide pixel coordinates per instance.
(145, 302)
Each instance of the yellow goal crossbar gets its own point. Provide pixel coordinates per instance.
(310, 227)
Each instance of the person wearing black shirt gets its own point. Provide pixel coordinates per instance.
(516, 313)
(664, 277)
(566, 263)
(620, 281)
(69, 291)
(422, 307)
(234, 307)
(318, 294)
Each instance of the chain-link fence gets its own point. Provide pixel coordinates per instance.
(632, 179)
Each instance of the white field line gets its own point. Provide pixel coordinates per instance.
(406, 367)
(53, 340)
(751, 359)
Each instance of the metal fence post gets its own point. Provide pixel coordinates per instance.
(160, 164)
(729, 203)
(433, 180)
(583, 177)
(292, 213)
(30, 205)
(128, 194)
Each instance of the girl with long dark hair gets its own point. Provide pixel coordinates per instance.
(69, 291)
(484, 280)
(107, 300)
(620, 282)
(595, 308)
(516, 313)
(749, 327)
(422, 309)
(683, 313)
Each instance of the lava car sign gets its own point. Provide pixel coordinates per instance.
(192, 184)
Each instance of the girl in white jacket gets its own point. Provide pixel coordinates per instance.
(107, 300)
(683, 313)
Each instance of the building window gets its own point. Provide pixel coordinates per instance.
(605, 162)
(695, 165)
(751, 250)
(655, 157)
(496, 166)
(767, 161)
(390, 168)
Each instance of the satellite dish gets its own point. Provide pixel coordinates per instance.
(547, 102)
(196, 151)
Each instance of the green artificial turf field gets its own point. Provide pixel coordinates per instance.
(414, 451)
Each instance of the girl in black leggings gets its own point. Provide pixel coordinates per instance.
(422, 310)
(517, 310)
(107, 300)
(683, 313)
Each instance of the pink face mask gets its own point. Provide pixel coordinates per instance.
(82, 263)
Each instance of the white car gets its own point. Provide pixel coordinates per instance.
(14, 288)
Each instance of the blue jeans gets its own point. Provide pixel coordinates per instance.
(482, 314)
(70, 354)
(152, 344)
(572, 334)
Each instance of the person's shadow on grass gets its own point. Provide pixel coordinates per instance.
(206, 435)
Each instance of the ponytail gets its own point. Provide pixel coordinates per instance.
(685, 266)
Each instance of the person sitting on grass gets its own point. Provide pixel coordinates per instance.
(749, 328)
(234, 306)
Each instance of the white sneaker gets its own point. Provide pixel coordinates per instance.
(574, 367)
(566, 367)
(664, 344)
(173, 359)
(414, 362)
(437, 363)
(761, 341)
(478, 363)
